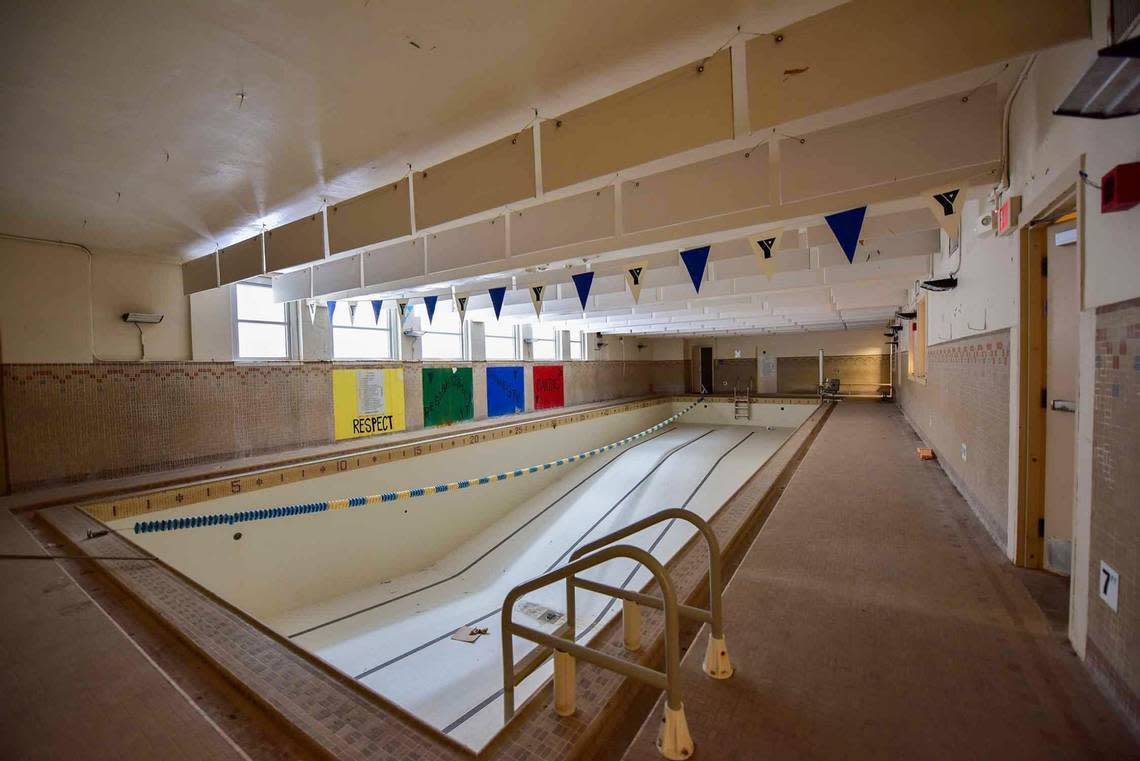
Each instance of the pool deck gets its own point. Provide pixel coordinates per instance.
(873, 617)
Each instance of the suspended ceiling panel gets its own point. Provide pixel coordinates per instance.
(337, 275)
(396, 262)
(296, 243)
(240, 261)
(721, 185)
(381, 215)
(577, 219)
(912, 142)
(293, 285)
(199, 274)
(487, 177)
(679, 110)
(878, 249)
(866, 48)
(477, 243)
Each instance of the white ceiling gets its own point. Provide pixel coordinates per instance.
(125, 127)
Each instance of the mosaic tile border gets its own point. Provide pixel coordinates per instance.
(203, 491)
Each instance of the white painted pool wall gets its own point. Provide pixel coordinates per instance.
(285, 563)
(764, 413)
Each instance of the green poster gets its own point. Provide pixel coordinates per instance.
(448, 395)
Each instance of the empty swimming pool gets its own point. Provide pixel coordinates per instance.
(377, 591)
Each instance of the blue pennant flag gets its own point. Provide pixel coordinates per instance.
(846, 226)
(695, 260)
(332, 308)
(376, 303)
(429, 302)
(582, 282)
(497, 295)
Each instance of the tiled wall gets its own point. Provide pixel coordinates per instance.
(71, 422)
(857, 373)
(966, 400)
(1114, 536)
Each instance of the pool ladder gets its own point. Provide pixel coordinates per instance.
(673, 739)
(742, 404)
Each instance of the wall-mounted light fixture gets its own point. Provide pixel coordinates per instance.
(138, 319)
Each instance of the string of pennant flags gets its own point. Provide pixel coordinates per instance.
(846, 226)
(245, 516)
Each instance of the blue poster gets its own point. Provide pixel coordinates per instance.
(505, 395)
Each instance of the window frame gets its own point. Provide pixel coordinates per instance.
(393, 340)
(516, 353)
(464, 334)
(289, 310)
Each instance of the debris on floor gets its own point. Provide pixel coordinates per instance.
(925, 453)
(541, 613)
(469, 633)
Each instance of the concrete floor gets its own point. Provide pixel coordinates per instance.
(72, 683)
(873, 617)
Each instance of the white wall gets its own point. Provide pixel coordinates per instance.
(58, 306)
(211, 325)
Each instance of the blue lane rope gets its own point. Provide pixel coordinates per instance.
(231, 519)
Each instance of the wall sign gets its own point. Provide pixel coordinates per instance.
(367, 402)
(548, 388)
(505, 392)
(448, 395)
(1007, 214)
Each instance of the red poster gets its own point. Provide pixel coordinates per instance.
(548, 391)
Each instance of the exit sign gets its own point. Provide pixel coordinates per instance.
(1007, 214)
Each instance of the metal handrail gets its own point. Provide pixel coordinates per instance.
(674, 741)
(669, 681)
(714, 616)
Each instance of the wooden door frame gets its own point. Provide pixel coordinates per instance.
(1033, 347)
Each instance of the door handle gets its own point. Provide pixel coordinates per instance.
(1064, 405)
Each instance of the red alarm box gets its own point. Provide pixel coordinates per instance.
(1120, 188)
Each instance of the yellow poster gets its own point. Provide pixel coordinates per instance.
(367, 402)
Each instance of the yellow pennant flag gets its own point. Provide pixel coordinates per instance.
(536, 298)
(946, 206)
(764, 246)
(633, 275)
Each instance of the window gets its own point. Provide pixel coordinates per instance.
(362, 337)
(545, 346)
(443, 338)
(916, 343)
(576, 344)
(263, 326)
(501, 341)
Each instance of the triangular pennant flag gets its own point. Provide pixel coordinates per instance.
(497, 295)
(536, 298)
(402, 308)
(461, 306)
(429, 302)
(332, 308)
(376, 304)
(312, 311)
(695, 260)
(764, 246)
(846, 226)
(582, 282)
(946, 206)
(633, 275)
(352, 312)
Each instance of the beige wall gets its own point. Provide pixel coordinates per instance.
(56, 305)
(1045, 151)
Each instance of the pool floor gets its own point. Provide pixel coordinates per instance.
(395, 637)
